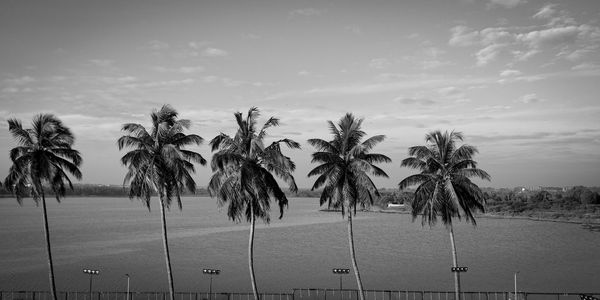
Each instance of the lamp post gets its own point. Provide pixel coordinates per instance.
(127, 275)
(517, 272)
(211, 272)
(92, 273)
(341, 272)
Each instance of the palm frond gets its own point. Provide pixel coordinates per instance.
(414, 163)
(415, 179)
(369, 143)
(16, 130)
(474, 172)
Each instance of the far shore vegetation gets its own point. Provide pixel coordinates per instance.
(577, 204)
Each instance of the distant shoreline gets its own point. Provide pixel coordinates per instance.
(594, 223)
(591, 223)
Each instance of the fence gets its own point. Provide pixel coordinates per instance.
(297, 294)
(336, 294)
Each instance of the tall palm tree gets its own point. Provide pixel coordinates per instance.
(444, 186)
(243, 175)
(44, 156)
(345, 164)
(159, 164)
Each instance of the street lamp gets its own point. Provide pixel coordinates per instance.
(92, 273)
(517, 272)
(211, 272)
(127, 275)
(459, 269)
(341, 272)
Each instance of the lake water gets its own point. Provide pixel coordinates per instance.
(119, 236)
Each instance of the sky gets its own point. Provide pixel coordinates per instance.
(520, 79)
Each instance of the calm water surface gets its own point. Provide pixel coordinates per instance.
(119, 236)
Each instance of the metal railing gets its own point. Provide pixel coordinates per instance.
(297, 294)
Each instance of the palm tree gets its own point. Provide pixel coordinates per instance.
(159, 164)
(243, 170)
(345, 164)
(444, 185)
(44, 156)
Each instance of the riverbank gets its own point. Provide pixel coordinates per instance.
(588, 221)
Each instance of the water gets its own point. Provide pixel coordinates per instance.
(119, 236)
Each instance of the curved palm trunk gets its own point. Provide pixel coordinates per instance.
(455, 264)
(47, 235)
(353, 256)
(166, 248)
(251, 253)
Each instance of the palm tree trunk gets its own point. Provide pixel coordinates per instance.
(353, 256)
(251, 252)
(47, 235)
(455, 264)
(166, 247)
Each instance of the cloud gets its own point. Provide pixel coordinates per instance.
(10, 90)
(551, 37)
(546, 12)
(214, 52)
(505, 3)
(306, 12)
(20, 80)
(181, 70)
(530, 99)
(160, 84)
(229, 82)
(510, 73)
(157, 45)
(586, 66)
(379, 63)
(391, 83)
(449, 91)
(417, 101)
(550, 13)
(462, 36)
(434, 64)
(488, 54)
(562, 37)
(493, 108)
(197, 45)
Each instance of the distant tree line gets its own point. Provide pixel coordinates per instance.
(575, 198)
(99, 190)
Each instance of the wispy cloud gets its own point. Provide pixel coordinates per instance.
(395, 84)
(214, 52)
(562, 37)
(510, 73)
(417, 101)
(530, 98)
(156, 45)
(505, 3)
(379, 63)
(181, 70)
(23, 80)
